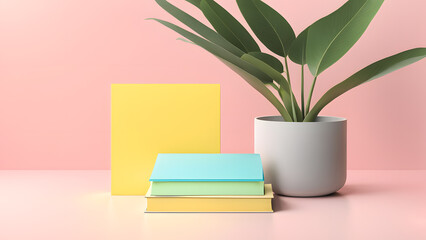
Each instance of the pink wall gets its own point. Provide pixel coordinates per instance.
(58, 59)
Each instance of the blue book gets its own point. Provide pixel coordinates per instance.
(207, 174)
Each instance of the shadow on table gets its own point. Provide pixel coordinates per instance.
(362, 189)
(285, 203)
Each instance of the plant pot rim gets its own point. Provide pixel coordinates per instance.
(319, 120)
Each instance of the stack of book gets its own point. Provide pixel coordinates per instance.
(208, 183)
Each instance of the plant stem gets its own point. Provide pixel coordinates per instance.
(310, 95)
(302, 92)
(291, 91)
(275, 86)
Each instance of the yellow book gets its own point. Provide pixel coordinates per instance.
(147, 119)
(210, 203)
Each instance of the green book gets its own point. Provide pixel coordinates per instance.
(207, 188)
(207, 174)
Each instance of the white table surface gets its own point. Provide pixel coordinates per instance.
(77, 205)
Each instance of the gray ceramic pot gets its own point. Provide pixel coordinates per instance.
(302, 159)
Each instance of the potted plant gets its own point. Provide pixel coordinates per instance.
(303, 154)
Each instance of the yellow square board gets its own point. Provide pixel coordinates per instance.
(147, 119)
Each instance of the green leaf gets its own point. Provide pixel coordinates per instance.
(268, 25)
(297, 51)
(284, 86)
(199, 28)
(227, 26)
(332, 36)
(195, 2)
(368, 73)
(250, 73)
(261, 88)
(268, 59)
(184, 40)
(217, 51)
